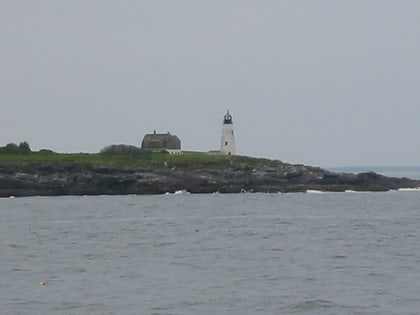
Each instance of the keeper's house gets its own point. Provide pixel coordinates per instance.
(158, 142)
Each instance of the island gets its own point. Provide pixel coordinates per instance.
(116, 172)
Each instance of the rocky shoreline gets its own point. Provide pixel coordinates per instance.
(54, 179)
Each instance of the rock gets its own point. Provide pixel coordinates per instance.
(265, 176)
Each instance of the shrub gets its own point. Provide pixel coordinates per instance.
(122, 149)
(24, 147)
(46, 151)
(12, 148)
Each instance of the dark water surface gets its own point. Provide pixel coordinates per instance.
(329, 253)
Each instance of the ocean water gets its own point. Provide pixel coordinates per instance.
(312, 253)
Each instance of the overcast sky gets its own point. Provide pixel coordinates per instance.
(327, 83)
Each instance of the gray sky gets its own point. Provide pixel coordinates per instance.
(328, 83)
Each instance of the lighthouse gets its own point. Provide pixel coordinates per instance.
(227, 146)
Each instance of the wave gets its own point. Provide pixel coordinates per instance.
(179, 192)
(409, 189)
(312, 191)
(312, 305)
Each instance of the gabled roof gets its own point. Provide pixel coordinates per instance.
(161, 141)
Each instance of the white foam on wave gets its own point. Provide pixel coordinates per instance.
(409, 189)
(179, 192)
(312, 191)
(350, 191)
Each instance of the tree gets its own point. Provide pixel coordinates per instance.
(24, 147)
(12, 148)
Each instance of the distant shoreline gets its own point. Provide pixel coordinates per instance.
(412, 172)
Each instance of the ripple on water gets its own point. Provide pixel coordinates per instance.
(315, 305)
(68, 306)
(305, 254)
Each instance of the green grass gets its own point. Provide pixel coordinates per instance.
(152, 160)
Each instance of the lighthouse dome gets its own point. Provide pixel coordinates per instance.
(228, 118)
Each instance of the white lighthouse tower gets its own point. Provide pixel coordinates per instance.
(227, 146)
